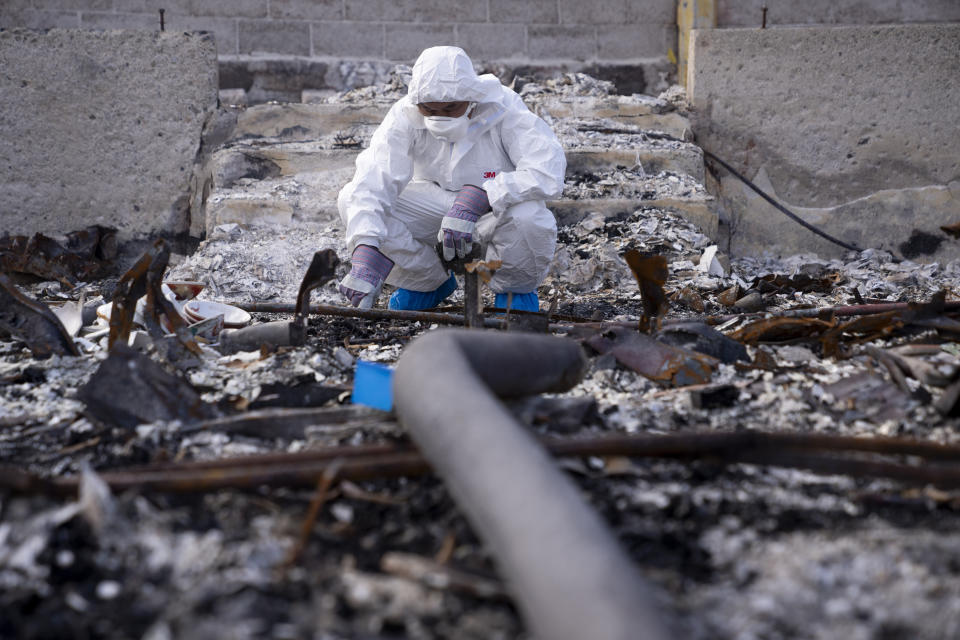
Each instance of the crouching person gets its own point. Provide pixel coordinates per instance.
(459, 160)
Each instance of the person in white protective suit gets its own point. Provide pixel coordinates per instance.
(460, 159)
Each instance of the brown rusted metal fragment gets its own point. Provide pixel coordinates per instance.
(655, 360)
(858, 331)
(952, 229)
(780, 283)
(689, 298)
(730, 296)
(85, 254)
(780, 330)
(131, 287)
(651, 273)
(322, 269)
(33, 323)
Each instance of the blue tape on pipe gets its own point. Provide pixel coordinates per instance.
(373, 385)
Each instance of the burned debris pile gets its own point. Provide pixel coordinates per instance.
(771, 440)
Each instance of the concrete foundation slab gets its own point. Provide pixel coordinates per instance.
(102, 128)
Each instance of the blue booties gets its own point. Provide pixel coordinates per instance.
(521, 301)
(407, 300)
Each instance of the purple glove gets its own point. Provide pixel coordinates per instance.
(368, 269)
(456, 230)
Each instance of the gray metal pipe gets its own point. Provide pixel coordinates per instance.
(570, 577)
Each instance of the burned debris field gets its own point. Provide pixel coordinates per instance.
(771, 440)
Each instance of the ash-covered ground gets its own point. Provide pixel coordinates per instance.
(733, 551)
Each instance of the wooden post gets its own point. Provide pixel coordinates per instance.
(691, 14)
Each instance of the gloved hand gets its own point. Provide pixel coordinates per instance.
(368, 269)
(456, 230)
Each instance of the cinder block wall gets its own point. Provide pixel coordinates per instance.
(549, 30)
(544, 32)
(749, 13)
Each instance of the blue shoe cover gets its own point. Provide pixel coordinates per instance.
(521, 301)
(407, 300)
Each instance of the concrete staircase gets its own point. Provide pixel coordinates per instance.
(283, 163)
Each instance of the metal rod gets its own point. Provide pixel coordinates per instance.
(782, 209)
(570, 325)
(472, 306)
(162, 25)
(764, 25)
(370, 461)
(368, 314)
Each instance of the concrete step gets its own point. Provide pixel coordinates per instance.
(288, 160)
(686, 158)
(698, 210)
(301, 122)
(257, 161)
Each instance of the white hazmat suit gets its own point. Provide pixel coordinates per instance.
(408, 178)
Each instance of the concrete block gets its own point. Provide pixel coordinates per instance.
(529, 12)
(11, 7)
(306, 9)
(405, 42)
(108, 21)
(748, 13)
(442, 11)
(224, 30)
(633, 42)
(348, 39)
(32, 19)
(232, 9)
(73, 5)
(274, 36)
(492, 41)
(905, 222)
(617, 11)
(562, 42)
(832, 114)
(102, 128)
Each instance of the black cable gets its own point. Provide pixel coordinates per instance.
(780, 207)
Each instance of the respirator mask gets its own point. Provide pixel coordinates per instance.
(449, 129)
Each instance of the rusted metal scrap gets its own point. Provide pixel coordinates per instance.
(322, 269)
(655, 360)
(145, 278)
(952, 229)
(149, 392)
(804, 282)
(858, 331)
(651, 273)
(702, 338)
(780, 330)
(821, 453)
(84, 255)
(32, 322)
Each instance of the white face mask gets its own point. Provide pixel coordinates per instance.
(449, 129)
